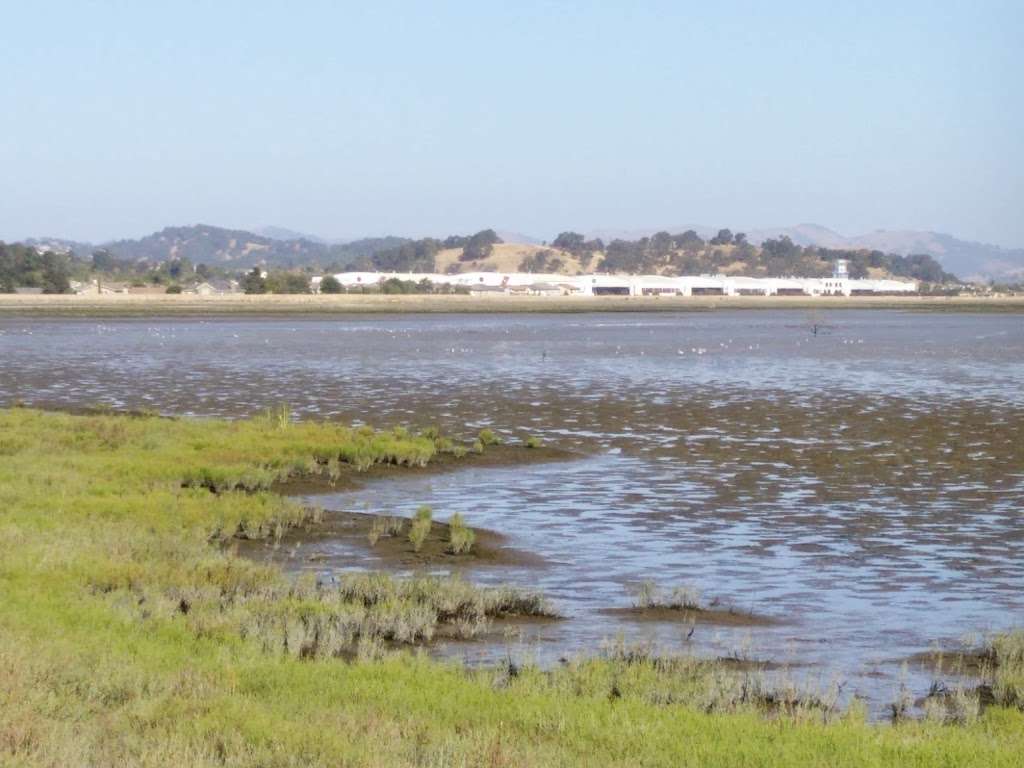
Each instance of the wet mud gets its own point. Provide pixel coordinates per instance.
(864, 486)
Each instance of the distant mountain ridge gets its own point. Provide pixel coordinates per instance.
(970, 260)
(231, 248)
(282, 248)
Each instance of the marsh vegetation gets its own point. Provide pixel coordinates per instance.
(134, 634)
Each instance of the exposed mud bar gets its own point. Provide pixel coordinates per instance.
(350, 478)
(317, 546)
(726, 617)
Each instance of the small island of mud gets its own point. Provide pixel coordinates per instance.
(726, 617)
(351, 478)
(324, 546)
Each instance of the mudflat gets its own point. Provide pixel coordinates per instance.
(272, 304)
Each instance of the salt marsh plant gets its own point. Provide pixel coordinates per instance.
(279, 416)
(460, 536)
(130, 635)
(648, 595)
(487, 438)
(420, 527)
(384, 525)
(533, 442)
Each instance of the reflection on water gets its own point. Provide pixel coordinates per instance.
(864, 485)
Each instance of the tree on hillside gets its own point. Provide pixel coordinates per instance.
(661, 244)
(689, 241)
(569, 241)
(480, 245)
(739, 238)
(411, 256)
(724, 237)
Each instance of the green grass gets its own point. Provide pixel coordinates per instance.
(131, 635)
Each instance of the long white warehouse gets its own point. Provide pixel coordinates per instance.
(638, 285)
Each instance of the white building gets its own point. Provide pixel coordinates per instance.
(532, 283)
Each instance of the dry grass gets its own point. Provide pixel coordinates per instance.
(506, 257)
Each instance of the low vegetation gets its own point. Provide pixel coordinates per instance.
(460, 536)
(420, 526)
(385, 526)
(487, 437)
(968, 680)
(131, 634)
(683, 598)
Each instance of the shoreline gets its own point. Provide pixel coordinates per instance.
(128, 305)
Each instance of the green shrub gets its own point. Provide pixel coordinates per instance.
(460, 536)
(487, 437)
(384, 526)
(533, 442)
(650, 595)
(420, 527)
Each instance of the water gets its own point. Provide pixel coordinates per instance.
(864, 485)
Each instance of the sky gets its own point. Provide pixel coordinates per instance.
(351, 119)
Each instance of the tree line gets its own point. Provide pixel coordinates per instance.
(687, 253)
(684, 253)
(22, 266)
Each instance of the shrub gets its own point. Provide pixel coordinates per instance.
(533, 442)
(650, 595)
(487, 437)
(420, 527)
(384, 526)
(460, 536)
(330, 284)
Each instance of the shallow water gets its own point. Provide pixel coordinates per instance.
(865, 485)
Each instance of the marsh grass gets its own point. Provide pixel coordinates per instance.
(534, 442)
(487, 437)
(985, 673)
(648, 595)
(420, 527)
(131, 635)
(460, 536)
(385, 526)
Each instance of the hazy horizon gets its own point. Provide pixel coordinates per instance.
(344, 121)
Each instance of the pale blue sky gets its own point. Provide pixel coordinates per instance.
(347, 119)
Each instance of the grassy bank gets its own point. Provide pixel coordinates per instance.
(118, 305)
(131, 634)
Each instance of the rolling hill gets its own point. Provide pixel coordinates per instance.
(967, 259)
(276, 247)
